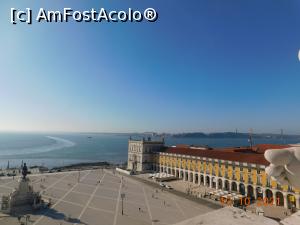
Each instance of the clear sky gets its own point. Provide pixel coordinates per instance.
(205, 65)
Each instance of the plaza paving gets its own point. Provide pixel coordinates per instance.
(96, 200)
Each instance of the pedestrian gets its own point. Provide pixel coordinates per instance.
(139, 209)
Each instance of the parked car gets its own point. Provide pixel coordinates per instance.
(169, 187)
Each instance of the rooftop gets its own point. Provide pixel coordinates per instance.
(147, 140)
(253, 155)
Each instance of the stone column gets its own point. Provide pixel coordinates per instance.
(274, 197)
(223, 184)
(199, 178)
(204, 179)
(230, 185)
(184, 175)
(285, 200)
(194, 177)
(264, 193)
(211, 182)
(238, 187)
(254, 192)
(246, 189)
(179, 171)
(297, 201)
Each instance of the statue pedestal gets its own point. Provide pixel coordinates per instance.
(23, 198)
(23, 194)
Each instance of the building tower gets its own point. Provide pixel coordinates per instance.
(142, 153)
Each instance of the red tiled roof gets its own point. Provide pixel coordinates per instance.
(253, 155)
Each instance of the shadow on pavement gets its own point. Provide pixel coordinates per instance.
(50, 213)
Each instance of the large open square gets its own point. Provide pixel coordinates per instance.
(95, 198)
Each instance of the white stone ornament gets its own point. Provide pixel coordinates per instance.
(284, 165)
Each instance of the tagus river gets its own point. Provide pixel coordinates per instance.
(63, 149)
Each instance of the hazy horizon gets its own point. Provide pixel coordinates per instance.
(140, 132)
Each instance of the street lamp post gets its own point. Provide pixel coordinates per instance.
(122, 197)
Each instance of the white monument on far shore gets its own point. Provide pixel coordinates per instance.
(23, 198)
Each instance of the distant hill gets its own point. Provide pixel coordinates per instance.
(204, 135)
(231, 135)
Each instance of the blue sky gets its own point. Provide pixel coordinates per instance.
(205, 65)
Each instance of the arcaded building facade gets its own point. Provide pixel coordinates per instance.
(240, 170)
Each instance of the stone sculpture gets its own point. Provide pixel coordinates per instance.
(284, 165)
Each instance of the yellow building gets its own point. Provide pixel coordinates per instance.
(240, 170)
